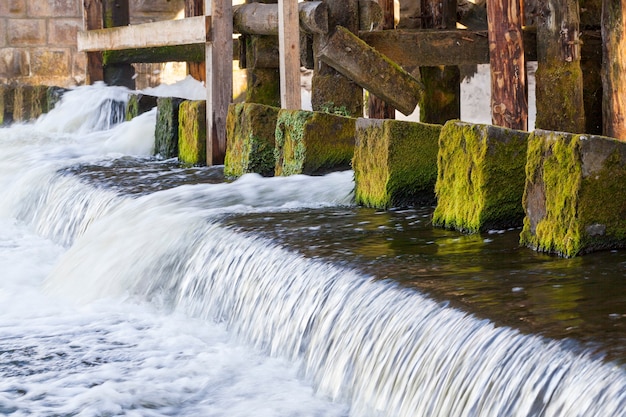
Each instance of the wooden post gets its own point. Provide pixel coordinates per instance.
(289, 45)
(441, 100)
(377, 108)
(614, 68)
(509, 102)
(196, 69)
(219, 76)
(559, 76)
(117, 13)
(92, 14)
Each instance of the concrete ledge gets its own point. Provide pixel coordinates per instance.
(313, 143)
(575, 193)
(395, 163)
(250, 139)
(480, 177)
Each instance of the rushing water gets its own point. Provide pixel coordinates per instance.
(133, 286)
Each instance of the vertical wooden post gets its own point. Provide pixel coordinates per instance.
(614, 68)
(219, 76)
(377, 108)
(559, 76)
(509, 102)
(441, 100)
(196, 69)
(289, 45)
(117, 13)
(92, 15)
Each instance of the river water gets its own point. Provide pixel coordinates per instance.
(131, 286)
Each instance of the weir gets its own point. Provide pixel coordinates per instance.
(363, 344)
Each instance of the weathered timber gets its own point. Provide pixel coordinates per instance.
(192, 134)
(480, 179)
(289, 57)
(441, 100)
(250, 132)
(559, 76)
(92, 20)
(116, 13)
(166, 129)
(179, 53)
(261, 51)
(591, 64)
(195, 68)
(509, 102)
(471, 15)
(575, 193)
(590, 14)
(378, 108)
(219, 75)
(373, 15)
(313, 143)
(262, 19)
(371, 70)
(614, 68)
(418, 48)
(395, 163)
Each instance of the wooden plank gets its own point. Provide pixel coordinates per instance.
(614, 68)
(117, 13)
(92, 11)
(289, 56)
(146, 35)
(509, 104)
(353, 58)
(219, 76)
(376, 107)
(194, 68)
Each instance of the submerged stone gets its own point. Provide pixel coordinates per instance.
(480, 177)
(139, 104)
(575, 194)
(313, 143)
(166, 130)
(395, 163)
(250, 139)
(192, 132)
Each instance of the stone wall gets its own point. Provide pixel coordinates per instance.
(38, 40)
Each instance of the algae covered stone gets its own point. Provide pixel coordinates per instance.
(313, 143)
(166, 130)
(395, 163)
(192, 132)
(575, 194)
(250, 130)
(139, 104)
(480, 177)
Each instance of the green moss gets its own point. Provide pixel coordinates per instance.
(177, 53)
(480, 177)
(250, 130)
(313, 143)
(166, 129)
(192, 132)
(575, 195)
(441, 100)
(395, 163)
(263, 86)
(339, 91)
(560, 106)
(138, 104)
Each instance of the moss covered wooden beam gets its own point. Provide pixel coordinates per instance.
(166, 129)
(575, 194)
(181, 53)
(370, 69)
(480, 177)
(395, 163)
(313, 143)
(192, 132)
(250, 139)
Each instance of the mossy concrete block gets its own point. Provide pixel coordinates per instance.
(480, 177)
(575, 194)
(395, 163)
(192, 132)
(166, 130)
(29, 102)
(139, 104)
(313, 143)
(250, 139)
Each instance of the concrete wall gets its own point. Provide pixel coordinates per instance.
(38, 40)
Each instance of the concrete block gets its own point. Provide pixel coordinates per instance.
(480, 177)
(62, 32)
(26, 32)
(54, 8)
(575, 193)
(139, 104)
(166, 132)
(395, 163)
(192, 132)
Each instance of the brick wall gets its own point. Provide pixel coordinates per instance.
(38, 40)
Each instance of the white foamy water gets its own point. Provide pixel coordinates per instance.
(113, 304)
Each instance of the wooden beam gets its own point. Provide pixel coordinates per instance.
(509, 104)
(92, 10)
(117, 13)
(614, 68)
(289, 56)
(219, 76)
(377, 108)
(262, 18)
(146, 35)
(353, 58)
(196, 68)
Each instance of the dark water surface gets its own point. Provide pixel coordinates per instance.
(489, 275)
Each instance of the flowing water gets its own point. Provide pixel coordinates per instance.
(134, 286)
